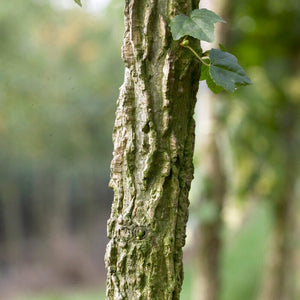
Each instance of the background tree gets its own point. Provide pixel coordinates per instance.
(265, 139)
(212, 183)
(208, 206)
(256, 121)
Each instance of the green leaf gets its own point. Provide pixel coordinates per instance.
(225, 70)
(206, 76)
(199, 25)
(78, 2)
(222, 47)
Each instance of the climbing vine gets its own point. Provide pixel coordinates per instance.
(219, 68)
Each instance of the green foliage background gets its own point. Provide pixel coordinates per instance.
(265, 36)
(60, 71)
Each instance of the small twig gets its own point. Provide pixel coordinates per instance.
(185, 44)
(196, 54)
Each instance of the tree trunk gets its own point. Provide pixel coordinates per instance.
(208, 236)
(12, 225)
(279, 282)
(152, 167)
(208, 239)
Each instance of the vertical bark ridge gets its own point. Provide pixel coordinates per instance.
(152, 168)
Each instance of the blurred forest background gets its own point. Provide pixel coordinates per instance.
(60, 73)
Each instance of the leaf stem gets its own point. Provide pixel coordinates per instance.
(196, 54)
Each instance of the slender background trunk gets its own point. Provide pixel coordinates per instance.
(279, 282)
(207, 283)
(152, 161)
(12, 226)
(208, 235)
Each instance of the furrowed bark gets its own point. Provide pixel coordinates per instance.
(152, 168)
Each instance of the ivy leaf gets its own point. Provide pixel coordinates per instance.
(206, 76)
(78, 2)
(199, 25)
(225, 70)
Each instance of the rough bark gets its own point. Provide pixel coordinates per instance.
(152, 168)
